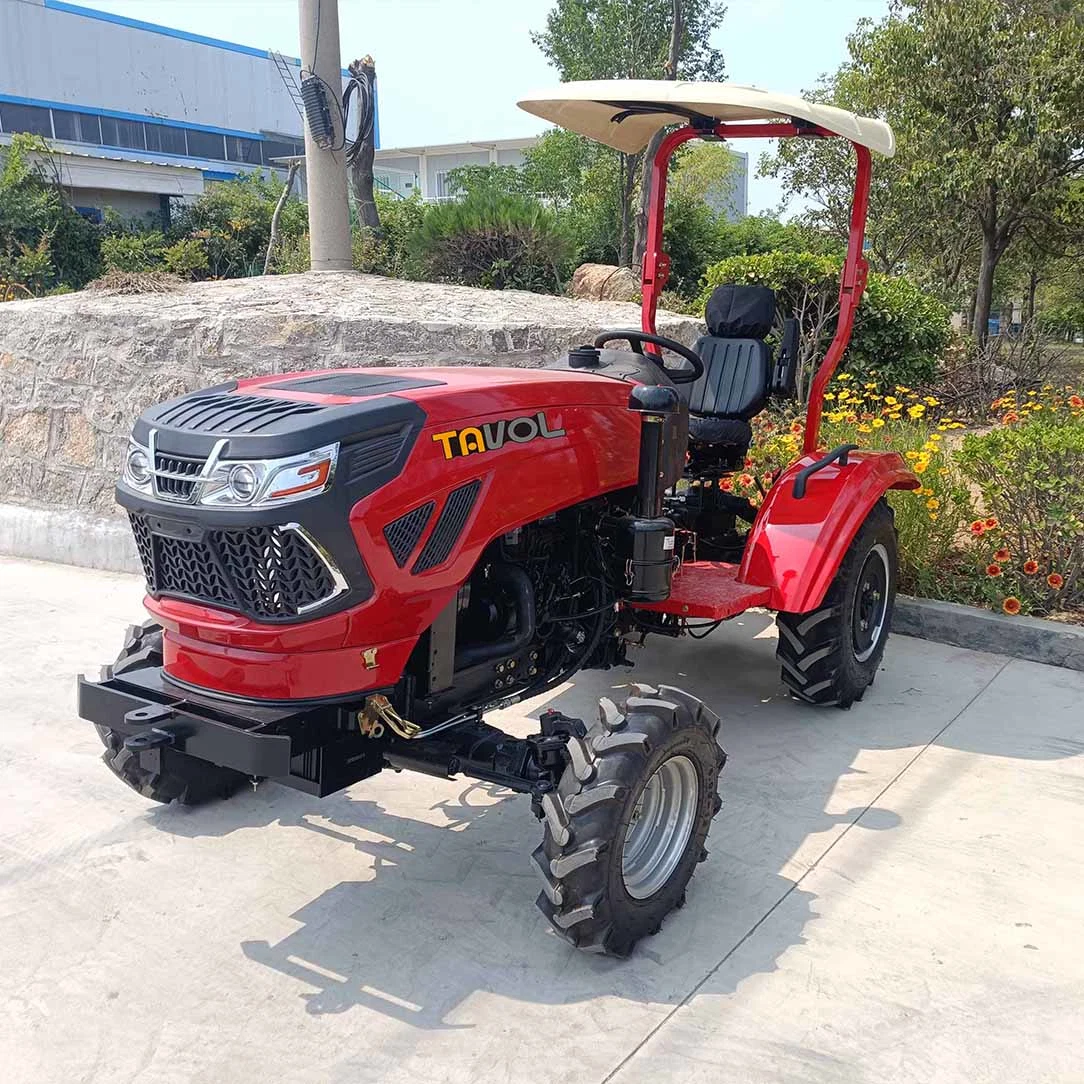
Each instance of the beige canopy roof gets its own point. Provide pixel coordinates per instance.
(590, 107)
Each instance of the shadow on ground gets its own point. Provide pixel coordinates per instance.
(443, 904)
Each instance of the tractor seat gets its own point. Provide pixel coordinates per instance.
(737, 374)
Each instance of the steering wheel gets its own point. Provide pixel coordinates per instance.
(636, 340)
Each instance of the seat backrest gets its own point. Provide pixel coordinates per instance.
(737, 361)
(735, 380)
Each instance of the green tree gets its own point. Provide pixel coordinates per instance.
(987, 98)
(632, 39)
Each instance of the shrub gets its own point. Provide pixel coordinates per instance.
(1030, 473)
(187, 258)
(497, 241)
(133, 251)
(233, 220)
(37, 223)
(291, 257)
(899, 333)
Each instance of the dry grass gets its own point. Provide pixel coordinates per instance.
(136, 282)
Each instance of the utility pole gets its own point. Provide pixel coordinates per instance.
(329, 211)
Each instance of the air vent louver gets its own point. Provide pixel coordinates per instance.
(402, 534)
(453, 519)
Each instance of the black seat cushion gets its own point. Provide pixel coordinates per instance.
(732, 432)
(735, 380)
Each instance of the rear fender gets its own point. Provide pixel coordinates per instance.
(796, 545)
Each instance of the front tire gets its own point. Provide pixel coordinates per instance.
(831, 655)
(163, 775)
(627, 823)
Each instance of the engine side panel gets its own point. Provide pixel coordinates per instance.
(796, 545)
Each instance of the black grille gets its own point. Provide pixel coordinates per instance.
(265, 572)
(234, 414)
(176, 476)
(453, 518)
(402, 534)
(276, 572)
(375, 453)
(183, 567)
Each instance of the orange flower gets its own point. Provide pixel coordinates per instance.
(796, 428)
(1076, 402)
(1056, 581)
(1002, 554)
(726, 484)
(1011, 417)
(1030, 568)
(745, 480)
(993, 570)
(990, 524)
(766, 480)
(1011, 606)
(978, 528)
(748, 461)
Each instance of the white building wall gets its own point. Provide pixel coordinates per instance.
(50, 55)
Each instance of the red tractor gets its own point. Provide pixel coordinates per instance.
(346, 569)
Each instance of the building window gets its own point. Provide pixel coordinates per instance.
(78, 127)
(165, 139)
(25, 118)
(206, 145)
(442, 189)
(243, 150)
(277, 148)
(123, 133)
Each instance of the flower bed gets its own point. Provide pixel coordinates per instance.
(999, 518)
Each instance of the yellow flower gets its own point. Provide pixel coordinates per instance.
(891, 400)
(911, 455)
(933, 517)
(933, 504)
(895, 416)
(921, 466)
(828, 397)
(864, 429)
(870, 387)
(931, 401)
(916, 411)
(844, 376)
(878, 423)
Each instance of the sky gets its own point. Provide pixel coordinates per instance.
(451, 70)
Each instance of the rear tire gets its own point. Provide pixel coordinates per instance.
(830, 655)
(165, 775)
(626, 826)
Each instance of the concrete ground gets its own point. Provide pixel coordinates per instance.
(893, 894)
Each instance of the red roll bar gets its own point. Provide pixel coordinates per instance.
(656, 265)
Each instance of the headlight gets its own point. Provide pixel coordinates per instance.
(137, 468)
(260, 483)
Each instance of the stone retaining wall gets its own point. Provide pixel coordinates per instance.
(76, 370)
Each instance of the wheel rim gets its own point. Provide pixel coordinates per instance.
(870, 603)
(661, 825)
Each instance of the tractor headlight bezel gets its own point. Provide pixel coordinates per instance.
(235, 483)
(269, 483)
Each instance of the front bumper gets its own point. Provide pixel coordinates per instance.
(316, 749)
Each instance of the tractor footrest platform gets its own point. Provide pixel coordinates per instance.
(708, 589)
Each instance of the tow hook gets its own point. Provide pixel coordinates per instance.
(153, 737)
